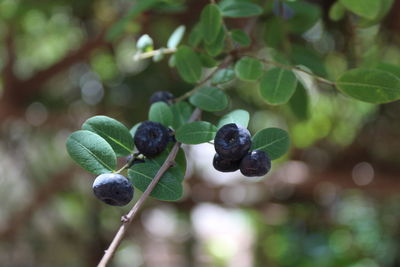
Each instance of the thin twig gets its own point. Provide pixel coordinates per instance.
(153, 53)
(316, 77)
(226, 62)
(127, 219)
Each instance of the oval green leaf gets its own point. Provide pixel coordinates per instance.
(168, 188)
(181, 112)
(217, 46)
(240, 37)
(161, 112)
(114, 132)
(196, 132)
(248, 69)
(299, 103)
(240, 9)
(277, 85)
(370, 85)
(91, 152)
(367, 8)
(188, 64)
(274, 141)
(176, 37)
(210, 21)
(223, 76)
(238, 116)
(209, 99)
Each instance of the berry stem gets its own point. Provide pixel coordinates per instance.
(128, 218)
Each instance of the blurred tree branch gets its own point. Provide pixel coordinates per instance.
(18, 92)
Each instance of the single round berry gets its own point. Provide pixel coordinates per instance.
(232, 141)
(225, 165)
(256, 163)
(113, 189)
(151, 138)
(163, 96)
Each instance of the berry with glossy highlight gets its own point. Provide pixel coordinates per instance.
(225, 165)
(151, 138)
(113, 189)
(232, 141)
(163, 96)
(256, 163)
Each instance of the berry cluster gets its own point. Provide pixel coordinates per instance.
(232, 144)
(150, 139)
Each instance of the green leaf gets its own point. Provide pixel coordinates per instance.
(248, 69)
(370, 85)
(299, 103)
(195, 35)
(211, 22)
(240, 37)
(181, 112)
(240, 9)
(216, 47)
(91, 152)
(188, 64)
(196, 132)
(393, 69)
(176, 37)
(118, 28)
(366, 8)
(274, 141)
(337, 11)
(168, 188)
(223, 76)
(305, 16)
(302, 55)
(277, 85)
(275, 32)
(238, 116)
(207, 61)
(209, 99)
(161, 112)
(114, 132)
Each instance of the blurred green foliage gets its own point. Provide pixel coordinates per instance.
(70, 228)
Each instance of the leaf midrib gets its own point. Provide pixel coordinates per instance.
(94, 155)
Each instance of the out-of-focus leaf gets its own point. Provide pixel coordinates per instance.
(370, 85)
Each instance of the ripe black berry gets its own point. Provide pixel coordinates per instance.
(113, 189)
(163, 96)
(225, 165)
(232, 141)
(256, 163)
(151, 138)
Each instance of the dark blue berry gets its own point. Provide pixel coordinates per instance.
(232, 141)
(151, 138)
(163, 96)
(256, 163)
(113, 189)
(225, 165)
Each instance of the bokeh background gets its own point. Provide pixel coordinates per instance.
(334, 200)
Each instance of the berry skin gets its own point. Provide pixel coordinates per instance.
(163, 96)
(225, 165)
(256, 163)
(113, 189)
(151, 138)
(232, 141)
